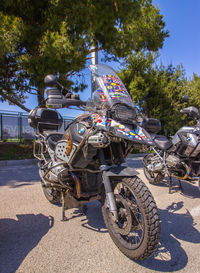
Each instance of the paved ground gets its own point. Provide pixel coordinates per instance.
(33, 239)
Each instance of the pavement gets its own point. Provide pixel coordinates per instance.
(34, 240)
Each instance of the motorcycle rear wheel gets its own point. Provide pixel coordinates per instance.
(52, 195)
(152, 177)
(137, 232)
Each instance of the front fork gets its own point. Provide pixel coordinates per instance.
(110, 195)
(107, 185)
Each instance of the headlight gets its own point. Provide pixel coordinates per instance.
(123, 112)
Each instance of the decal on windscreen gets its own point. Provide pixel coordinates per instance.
(101, 95)
(115, 87)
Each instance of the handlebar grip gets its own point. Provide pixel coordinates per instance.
(63, 102)
(75, 97)
(73, 102)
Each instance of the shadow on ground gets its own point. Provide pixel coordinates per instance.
(170, 256)
(19, 237)
(94, 219)
(18, 176)
(190, 188)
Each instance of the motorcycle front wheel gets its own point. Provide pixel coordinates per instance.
(137, 231)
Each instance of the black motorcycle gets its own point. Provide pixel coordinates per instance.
(177, 157)
(87, 161)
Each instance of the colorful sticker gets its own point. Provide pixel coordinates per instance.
(115, 87)
(101, 95)
(137, 135)
(107, 123)
(101, 121)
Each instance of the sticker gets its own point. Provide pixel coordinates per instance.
(101, 121)
(116, 88)
(101, 95)
(121, 126)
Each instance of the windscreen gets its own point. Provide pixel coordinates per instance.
(108, 88)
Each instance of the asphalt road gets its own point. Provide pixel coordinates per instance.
(33, 239)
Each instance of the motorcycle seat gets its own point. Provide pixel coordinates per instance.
(162, 142)
(53, 138)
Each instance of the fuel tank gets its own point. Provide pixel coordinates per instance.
(82, 153)
(187, 142)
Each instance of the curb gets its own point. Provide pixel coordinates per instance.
(5, 163)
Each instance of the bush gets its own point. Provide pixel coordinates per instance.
(13, 151)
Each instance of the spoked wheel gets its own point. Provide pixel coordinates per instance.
(137, 231)
(152, 177)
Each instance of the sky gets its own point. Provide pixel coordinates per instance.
(182, 47)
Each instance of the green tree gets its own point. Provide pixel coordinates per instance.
(55, 36)
(193, 91)
(157, 90)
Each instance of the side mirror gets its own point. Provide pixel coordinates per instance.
(185, 99)
(50, 80)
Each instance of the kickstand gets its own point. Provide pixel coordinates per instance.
(64, 218)
(83, 209)
(180, 186)
(170, 184)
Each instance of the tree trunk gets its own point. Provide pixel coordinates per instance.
(6, 97)
(40, 96)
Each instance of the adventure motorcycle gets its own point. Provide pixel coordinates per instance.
(87, 162)
(178, 157)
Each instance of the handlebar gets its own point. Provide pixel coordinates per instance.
(72, 102)
(58, 96)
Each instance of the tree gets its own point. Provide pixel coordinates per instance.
(193, 91)
(55, 36)
(157, 90)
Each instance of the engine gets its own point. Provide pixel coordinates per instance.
(176, 166)
(156, 165)
(54, 173)
(173, 161)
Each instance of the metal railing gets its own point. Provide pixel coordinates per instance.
(14, 126)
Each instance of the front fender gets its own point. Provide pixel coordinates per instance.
(120, 170)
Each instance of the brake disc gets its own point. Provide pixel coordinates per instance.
(125, 213)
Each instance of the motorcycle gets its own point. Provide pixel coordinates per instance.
(88, 161)
(177, 157)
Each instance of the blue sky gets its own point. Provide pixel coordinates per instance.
(182, 47)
